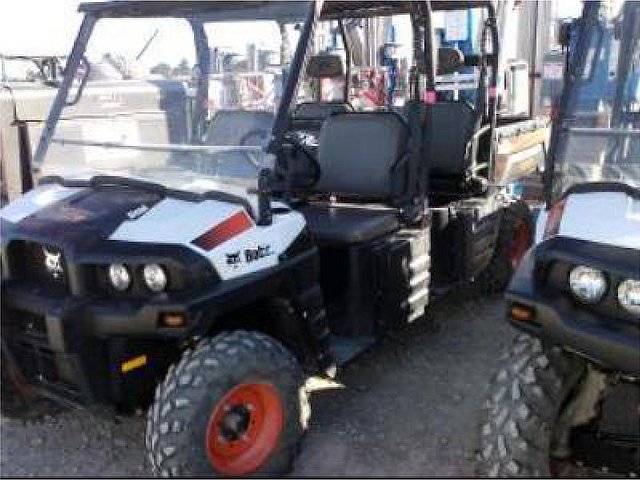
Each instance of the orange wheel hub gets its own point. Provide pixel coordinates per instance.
(520, 243)
(244, 428)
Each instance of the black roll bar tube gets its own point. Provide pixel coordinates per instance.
(201, 107)
(73, 62)
(629, 38)
(418, 51)
(492, 26)
(347, 53)
(299, 59)
(431, 56)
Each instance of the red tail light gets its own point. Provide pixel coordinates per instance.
(553, 220)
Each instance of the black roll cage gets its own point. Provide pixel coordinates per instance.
(426, 58)
(197, 13)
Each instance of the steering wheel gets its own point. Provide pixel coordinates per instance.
(299, 146)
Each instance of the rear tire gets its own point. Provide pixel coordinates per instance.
(525, 400)
(514, 238)
(201, 423)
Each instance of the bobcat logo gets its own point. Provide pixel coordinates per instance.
(53, 263)
(233, 259)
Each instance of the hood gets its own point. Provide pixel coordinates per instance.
(65, 216)
(604, 215)
(92, 223)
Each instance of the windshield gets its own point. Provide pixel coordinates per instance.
(599, 140)
(15, 68)
(188, 103)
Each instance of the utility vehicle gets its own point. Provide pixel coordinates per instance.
(218, 258)
(567, 395)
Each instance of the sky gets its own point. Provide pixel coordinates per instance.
(35, 25)
(45, 27)
(49, 27)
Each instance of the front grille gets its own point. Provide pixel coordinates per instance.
(40, 266)
(25, 335)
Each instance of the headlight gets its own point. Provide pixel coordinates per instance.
(587, 284)
(155, 277)
(629, 296)
(119, 276)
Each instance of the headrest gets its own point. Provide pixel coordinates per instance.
(450, 60)
(325, 66)
(320, 110)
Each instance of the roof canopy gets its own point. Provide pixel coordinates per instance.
(205, 10)
(253, 10)
(357, 9)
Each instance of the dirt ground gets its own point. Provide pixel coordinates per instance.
(407, 408)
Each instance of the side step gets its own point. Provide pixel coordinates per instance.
(344, 349)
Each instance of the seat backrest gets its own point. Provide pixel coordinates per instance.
(240, 127)
(358, 155)
(309, 116)
(449, 127)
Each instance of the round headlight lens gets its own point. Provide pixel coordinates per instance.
(587, 284)
(155, 277)
(119, 276)
(629, 296)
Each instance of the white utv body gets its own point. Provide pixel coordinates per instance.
(565, 399)
(199, 264)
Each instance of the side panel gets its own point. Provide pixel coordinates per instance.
(377, 285)
(252, 249)
(464, 238)
(402, 269)
(447, 231)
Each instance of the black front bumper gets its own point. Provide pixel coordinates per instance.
(606, 335)
(72, 348)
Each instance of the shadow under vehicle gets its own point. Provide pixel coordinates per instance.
(566, 398)
(219, 259)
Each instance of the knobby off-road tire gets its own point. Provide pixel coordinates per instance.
(190, 401)
(525, 400)
(514, 238)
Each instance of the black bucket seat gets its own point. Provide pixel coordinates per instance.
(363, 175)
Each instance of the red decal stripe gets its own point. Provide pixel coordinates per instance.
(232, 226)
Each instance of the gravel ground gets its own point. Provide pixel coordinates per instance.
(406, 408)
